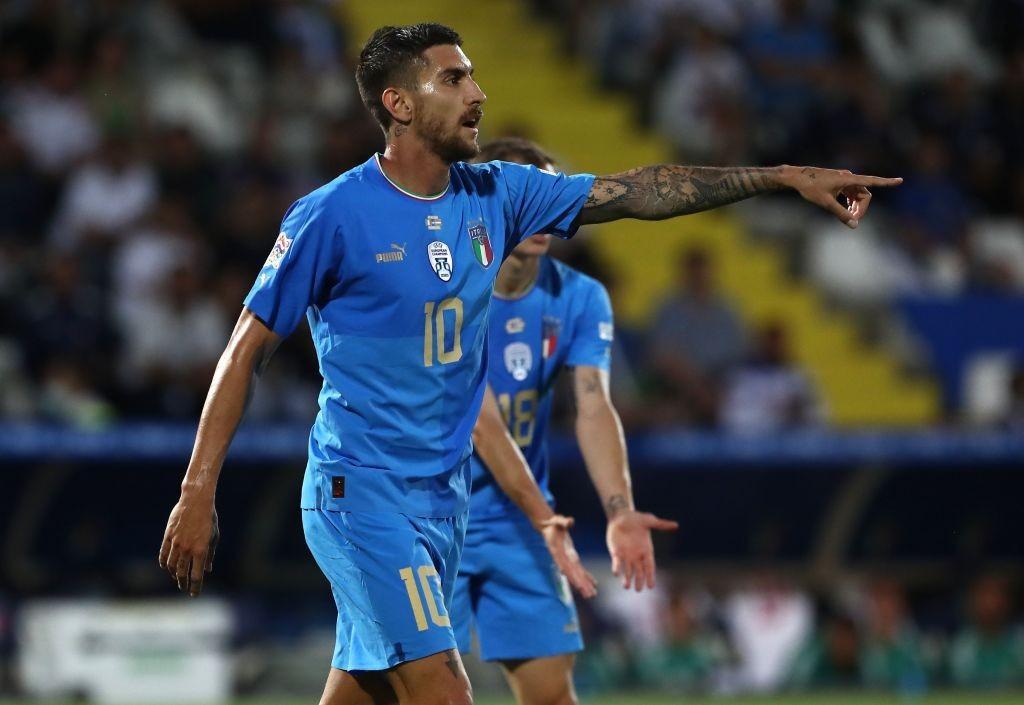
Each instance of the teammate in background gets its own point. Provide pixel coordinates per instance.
(545, 317)
(392, 264)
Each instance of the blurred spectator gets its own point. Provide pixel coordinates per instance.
(700, 106)
(768, 622)
(892, 656)
(104, 196)
(933, 212)
(989, 652)
(172, 343)
(791, 53)
(689, 657)
(696, 340)
(51, 119)
(185, 172)
(163, 241)
(911, 40)
(769, 393)
(831, 659)
(68, 397)
(67, 316)
(20, 191)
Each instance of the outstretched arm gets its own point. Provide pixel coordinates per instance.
(603, 445)
(191, 536)
(506, 463)
(666, 191)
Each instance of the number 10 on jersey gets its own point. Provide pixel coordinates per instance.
(435, 321)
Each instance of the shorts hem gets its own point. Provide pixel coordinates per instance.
(534, 654)
(394, 660)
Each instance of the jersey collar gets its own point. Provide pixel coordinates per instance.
(376, 159)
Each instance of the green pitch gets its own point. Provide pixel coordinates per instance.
(652, 699)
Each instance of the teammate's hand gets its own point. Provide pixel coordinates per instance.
(631, 548)
(824, 186)
(556, 535)
(190, 542)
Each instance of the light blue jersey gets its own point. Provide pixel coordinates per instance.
(508, 588)
(396, 289)
(565, 320)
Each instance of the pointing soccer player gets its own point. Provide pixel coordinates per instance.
(392, 264)
(545, 317)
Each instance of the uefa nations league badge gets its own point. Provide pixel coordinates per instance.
(440, 260)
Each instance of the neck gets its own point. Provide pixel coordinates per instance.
(516, 276)
(409, 163)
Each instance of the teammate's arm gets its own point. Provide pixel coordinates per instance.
(506, 463)
(190, 538)
(666, 191)
(601, 440)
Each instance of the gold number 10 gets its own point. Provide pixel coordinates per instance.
(433, 320)
(425, 573)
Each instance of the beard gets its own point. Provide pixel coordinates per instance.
(449, 145)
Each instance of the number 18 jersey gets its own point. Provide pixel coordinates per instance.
(396, 289)
(565, 320)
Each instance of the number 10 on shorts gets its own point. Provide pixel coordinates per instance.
(416, 602)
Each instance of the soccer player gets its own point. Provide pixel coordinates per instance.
(545, 317)
(393, 263)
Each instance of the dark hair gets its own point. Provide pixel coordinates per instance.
(389, 58)
(515, 149)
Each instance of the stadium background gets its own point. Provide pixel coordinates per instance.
(833, 416)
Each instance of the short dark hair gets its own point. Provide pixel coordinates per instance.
(388, 57)
(515, 149)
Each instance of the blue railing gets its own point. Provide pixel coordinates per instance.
(668, 449)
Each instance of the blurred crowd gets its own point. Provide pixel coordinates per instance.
(147, 153)
(931, 90)
(768, 635)
(148, 150)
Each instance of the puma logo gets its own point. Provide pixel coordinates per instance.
(400, 248)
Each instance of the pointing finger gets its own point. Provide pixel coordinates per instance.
(856, 180)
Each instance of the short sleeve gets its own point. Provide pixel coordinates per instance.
(298, 270)
(594, 331)
(543, 202)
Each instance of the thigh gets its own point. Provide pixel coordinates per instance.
(542, 681)
(386, 574)
(524, 609)
(371, 688)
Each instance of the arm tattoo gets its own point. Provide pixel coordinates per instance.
(665, 191)
(614, 505)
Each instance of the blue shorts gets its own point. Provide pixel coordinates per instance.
(392, 576)
(510, 590)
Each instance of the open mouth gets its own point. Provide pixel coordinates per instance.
(472, 122)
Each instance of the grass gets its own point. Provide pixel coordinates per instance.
(657, 699)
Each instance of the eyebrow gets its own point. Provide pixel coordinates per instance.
(457, 71)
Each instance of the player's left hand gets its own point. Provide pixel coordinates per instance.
(556, 535)
(631, 548)
(824, 187)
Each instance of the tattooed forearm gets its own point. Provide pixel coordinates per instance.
(665, 191)
(614, 505)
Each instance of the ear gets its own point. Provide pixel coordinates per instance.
(397, 102)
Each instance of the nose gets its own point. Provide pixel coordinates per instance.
(477, 95)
